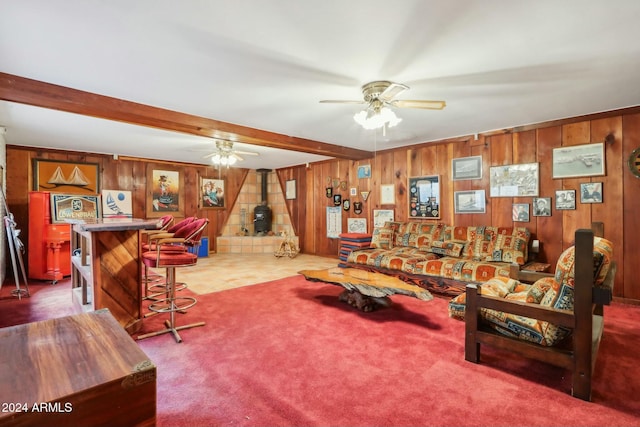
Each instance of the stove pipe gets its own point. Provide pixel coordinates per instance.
(262, 212)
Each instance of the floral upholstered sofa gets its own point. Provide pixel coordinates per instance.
(443, 258)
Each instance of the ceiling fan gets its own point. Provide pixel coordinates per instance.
(380, 95)
(225, 154)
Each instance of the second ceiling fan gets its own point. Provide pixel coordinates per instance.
(226, 155)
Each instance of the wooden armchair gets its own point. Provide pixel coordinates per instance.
(577, 352)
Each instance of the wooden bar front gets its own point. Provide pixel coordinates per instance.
(75, 370)
(106, 268)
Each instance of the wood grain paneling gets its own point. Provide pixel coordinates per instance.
(621, 190)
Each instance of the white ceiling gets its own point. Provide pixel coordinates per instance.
(265, 64)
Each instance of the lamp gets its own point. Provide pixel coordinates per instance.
(376, 116)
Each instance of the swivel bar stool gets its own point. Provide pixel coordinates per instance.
(165, 222)
(170, 260)
(154, 283)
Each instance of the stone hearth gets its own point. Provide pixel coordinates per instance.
(232, 239)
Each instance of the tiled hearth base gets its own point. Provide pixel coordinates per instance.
(250, 244)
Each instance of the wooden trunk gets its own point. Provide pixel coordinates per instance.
(76, 370)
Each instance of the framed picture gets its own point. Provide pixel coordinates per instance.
(466, 168)
(565, 199)
(380, 216)
(74, 208)
(353, 191)
(165, 192)
(469, 201)
(334, 221)
(579, 160)
(542, 206)
(387, 194)
(424, 197)
(211, 193)
(520, 212)
(117, 204)
(66, 177)
(514, 180)
(356, 225)
(591, 192)
(364, 171)
(290, 189)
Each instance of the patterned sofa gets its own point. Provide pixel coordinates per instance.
(443, 258)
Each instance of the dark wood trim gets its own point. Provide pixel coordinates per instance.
(33, 92)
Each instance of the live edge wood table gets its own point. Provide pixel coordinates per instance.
(366, 290)
(105, 267)
(81, 370)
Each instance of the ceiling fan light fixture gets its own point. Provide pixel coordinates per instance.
(223, 159)
(373, 118)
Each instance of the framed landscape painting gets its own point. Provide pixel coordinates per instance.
(466, 168)
(579, 160)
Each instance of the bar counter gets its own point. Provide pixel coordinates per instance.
(105, 267)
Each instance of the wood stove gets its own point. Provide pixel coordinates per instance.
(262, 212)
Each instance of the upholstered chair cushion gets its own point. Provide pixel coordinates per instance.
(556, 292)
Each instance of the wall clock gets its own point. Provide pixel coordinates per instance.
(634, 162)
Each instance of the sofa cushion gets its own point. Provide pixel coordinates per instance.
(405, 259)
(418, 234)
(463, 269)
(447, 248)
(508, 244)
(382, 238)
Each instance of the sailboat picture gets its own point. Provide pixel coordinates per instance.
(117, 204)
(68, 177)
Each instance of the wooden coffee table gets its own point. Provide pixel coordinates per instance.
(366, 290)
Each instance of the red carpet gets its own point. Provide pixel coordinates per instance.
(288, 353)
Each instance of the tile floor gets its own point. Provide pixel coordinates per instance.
(219, 272)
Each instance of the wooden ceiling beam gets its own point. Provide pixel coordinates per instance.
(33, 92)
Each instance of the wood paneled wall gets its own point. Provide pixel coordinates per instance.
(123, 174)
(618, 212)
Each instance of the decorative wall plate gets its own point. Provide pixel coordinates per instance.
(634, 162)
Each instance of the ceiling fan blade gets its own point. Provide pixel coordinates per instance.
(236, 156)
(392, 91)
(210, 155)
(246, 153)
(335, 101)
(424, 104)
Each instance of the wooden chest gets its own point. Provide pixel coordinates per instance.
(81, 370)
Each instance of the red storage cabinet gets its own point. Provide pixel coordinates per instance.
(49, 248)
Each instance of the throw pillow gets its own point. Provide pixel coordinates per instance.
(382, 238)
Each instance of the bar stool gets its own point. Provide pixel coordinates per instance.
(165, 222)
(154, 283)
(170, 260)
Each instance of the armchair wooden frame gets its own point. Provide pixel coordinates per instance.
(586, 321)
